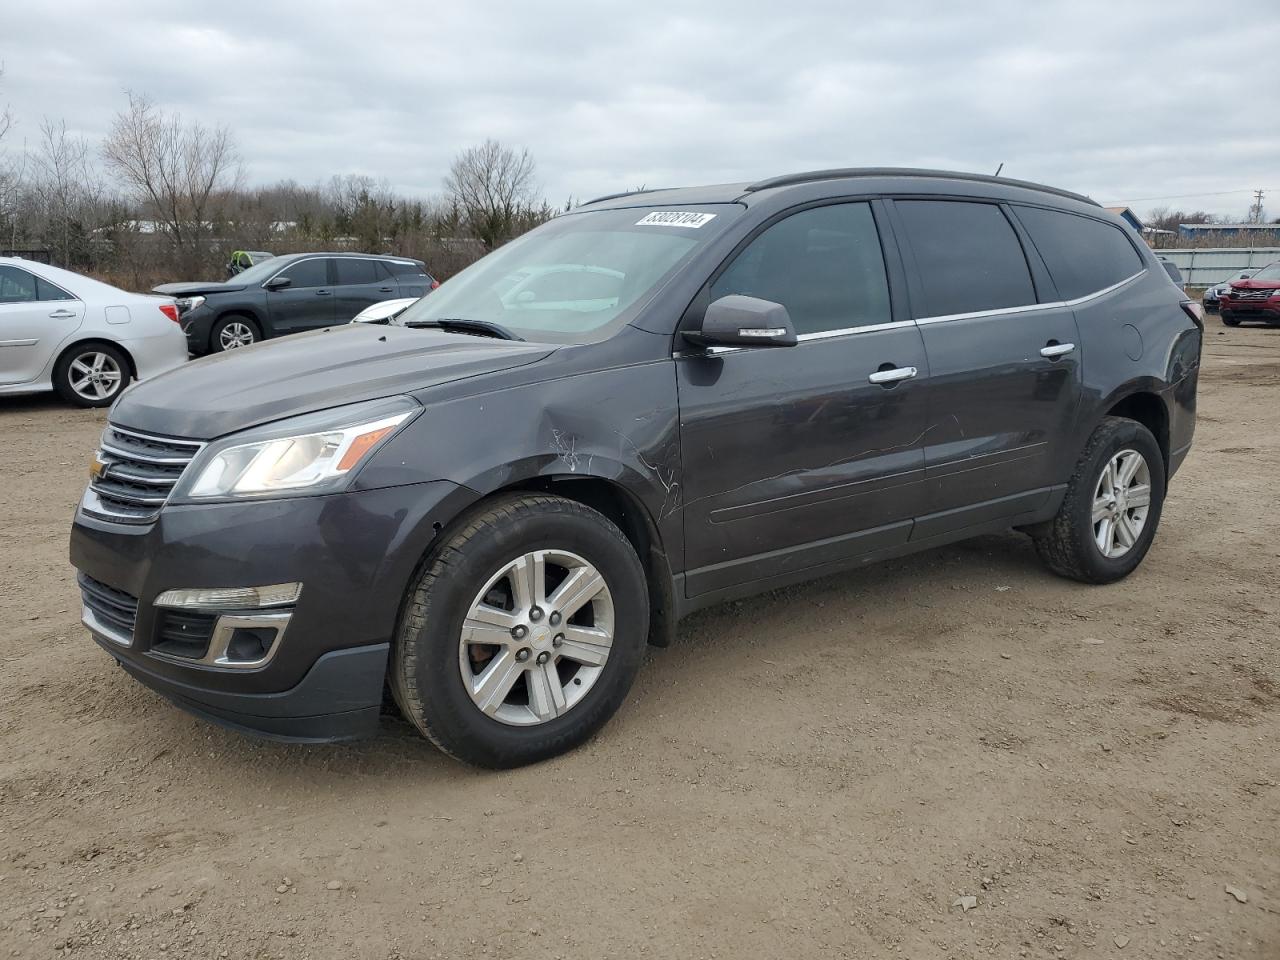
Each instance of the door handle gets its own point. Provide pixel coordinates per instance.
(1053, 350)
(386, 289)
(324, 293)
(892, 375)
(62, 314)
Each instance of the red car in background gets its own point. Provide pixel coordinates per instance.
(1257, 298)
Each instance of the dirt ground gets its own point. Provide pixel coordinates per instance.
(820, 772)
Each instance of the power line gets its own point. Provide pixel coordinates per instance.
(1184, 196)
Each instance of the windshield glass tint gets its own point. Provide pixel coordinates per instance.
(577, 278)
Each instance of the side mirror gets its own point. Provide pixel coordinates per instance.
(738, 321)
(1245, 276)
(278, 283)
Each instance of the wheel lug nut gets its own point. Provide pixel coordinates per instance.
(522, 654)
(554, 620)
(520, 632)
(543, 657)
(558, 639)
(535, 614)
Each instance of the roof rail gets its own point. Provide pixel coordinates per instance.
(624, 193)
(844, 173)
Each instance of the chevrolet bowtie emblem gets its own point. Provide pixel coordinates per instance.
(98, 468)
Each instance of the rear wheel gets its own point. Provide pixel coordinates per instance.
(523, 633)
(1109, 515)
(91, 375)
(233, 332)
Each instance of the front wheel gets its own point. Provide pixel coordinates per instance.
(1109, 515)
(523, 633)
(1229, 319)
(231, 333)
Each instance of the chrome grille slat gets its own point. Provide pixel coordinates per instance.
(140, 472)
(1251, 295)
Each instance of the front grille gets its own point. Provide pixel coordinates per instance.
(1251, 295)
(114, 610)
(139, 472)
(184, 633)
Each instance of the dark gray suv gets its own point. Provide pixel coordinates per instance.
(656, 402)
(293, 293)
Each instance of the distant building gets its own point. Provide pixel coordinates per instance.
(1265, 232)
(1128, 216)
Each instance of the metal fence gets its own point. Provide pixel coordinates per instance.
(1204, 266)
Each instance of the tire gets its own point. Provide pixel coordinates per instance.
(1229, 319)
(434, 671)
(233, 331)
(91, 374)
(1069, 543)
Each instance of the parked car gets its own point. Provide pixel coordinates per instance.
(1171, 269)
(493, 505)
(1212, 294)
(242, 260)
(384, 312)
(1253, 298)
(291, 294)
(85, 339)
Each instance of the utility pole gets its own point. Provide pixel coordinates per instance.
(1255, 212)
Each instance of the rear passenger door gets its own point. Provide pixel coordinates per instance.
(1004, 363)
(36, 316)
(360, 284)
(308, 302)
(795, 458)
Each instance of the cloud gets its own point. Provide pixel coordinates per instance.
(1120, 101)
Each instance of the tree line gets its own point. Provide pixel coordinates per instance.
(164, 198)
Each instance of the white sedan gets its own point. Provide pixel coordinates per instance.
(384, 311)
(86, 340)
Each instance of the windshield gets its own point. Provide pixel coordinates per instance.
(576, 278)
(259, 272)
(1269, 272)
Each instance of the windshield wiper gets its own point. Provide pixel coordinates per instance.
(483, 328)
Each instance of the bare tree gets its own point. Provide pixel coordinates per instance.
(180, 172)
(494, 188)
(70, 193)
(11, 178)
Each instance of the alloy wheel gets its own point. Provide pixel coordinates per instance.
(1121, 501)
(536, 638)
(95, 376)
(235, 334)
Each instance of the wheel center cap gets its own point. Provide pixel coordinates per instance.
(540, 636)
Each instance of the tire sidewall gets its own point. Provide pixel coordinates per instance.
(62, 374)
(455, 717)
(1134, 436)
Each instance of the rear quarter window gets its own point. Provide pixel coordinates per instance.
(1083, 255)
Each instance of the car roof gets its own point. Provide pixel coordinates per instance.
(346, 254)
(837, 181)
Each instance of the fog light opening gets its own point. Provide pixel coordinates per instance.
(250, 644)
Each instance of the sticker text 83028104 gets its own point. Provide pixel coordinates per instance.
(674, 218)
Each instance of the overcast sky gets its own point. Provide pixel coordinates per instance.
(1124, 101)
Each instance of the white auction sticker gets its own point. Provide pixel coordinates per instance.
(675, 218)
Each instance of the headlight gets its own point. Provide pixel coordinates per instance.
(187, 304)
(315, 453)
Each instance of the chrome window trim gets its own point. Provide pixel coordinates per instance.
(330, 256)
(802, 338)
(1032, 307)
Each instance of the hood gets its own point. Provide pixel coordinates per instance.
(196, 287)
(1252, 284)
(231, 391)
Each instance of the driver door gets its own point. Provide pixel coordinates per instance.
(308, 303)
(794, 457)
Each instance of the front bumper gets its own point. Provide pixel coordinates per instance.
(197, 324)
(354, 553)
(1268, 310)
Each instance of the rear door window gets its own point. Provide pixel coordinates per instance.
(1083, 255)
(823, 264)
(356, 271)
(47, 291)
(967, 255)
(17, 286)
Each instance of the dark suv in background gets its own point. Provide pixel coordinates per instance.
(492, 506)
(291, 294)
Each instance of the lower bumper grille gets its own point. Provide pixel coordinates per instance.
(108, 611)
(185, 634)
